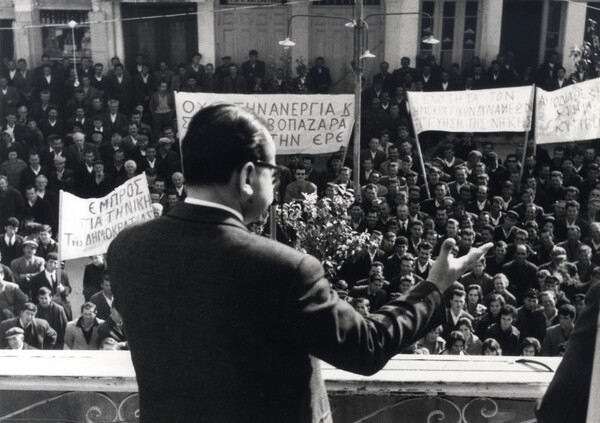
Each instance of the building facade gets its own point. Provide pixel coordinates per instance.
(174, 30)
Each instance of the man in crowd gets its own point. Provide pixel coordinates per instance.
(37, 332)
(54, 314)
(82, 333)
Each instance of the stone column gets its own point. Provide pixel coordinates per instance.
(102, 33)
(299, 33)
(402, 35)
(206, 31)
(491, 28)
(28, 41)
(572, 32)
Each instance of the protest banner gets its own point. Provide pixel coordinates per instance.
(88, 225)
(569, 114)
(495, 110)
(299, 124)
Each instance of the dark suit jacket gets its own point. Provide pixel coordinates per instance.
(48, 129)
(257, 334)
(250, 72)
(102, 307)
(12, 252)
(38, 334)
(122, 91)
(376, 300)
(560, 229)
(24, 83)
(321, 79)
(28, 176)
(143, 90)
(54, 86)
(9, 102)
(377, 160)
(40, 280)
(531, 323)
(449, 326)
(56, 317)
(566, 399)
(521, 278)
(119, 125)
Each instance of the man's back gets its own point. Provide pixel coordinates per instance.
(222, 329)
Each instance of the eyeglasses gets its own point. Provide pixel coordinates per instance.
(275, 169)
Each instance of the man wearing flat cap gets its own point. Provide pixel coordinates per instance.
(167, 160)
(15, 339)
(37, 332)
(28, 265)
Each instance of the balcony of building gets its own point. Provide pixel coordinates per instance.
(100, 386)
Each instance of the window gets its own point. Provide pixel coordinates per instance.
(57, 36)
(345, 2)
(470, 31)
(456, 24)
(553, 28)
(427, 24)
(447, 40)
(251, 1)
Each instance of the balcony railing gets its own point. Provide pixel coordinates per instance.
(317, 3)
(100, 386)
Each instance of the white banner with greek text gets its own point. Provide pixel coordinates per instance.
(88, 225)
(299, 124)
(569, 114)
(495, 110)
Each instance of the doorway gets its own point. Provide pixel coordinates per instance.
(521, 27)
(172, 39)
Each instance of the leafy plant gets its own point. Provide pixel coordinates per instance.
(321, 228)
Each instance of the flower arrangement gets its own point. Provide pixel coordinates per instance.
(320, 227)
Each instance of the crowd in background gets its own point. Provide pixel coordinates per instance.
(85, 129)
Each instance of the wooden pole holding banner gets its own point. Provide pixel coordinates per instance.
(523, 162)
(420, 153)
(60, 241)
(525, 143)
(422, 164)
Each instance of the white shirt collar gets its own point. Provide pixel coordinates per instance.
(206, 203)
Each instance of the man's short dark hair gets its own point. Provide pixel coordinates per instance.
(567, 310)
(508, 310)
(425, 246)
(43, 291)
(220, 140)
(28, 306)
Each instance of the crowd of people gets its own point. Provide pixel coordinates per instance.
(85, 130)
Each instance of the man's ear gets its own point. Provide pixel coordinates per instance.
(247, 179)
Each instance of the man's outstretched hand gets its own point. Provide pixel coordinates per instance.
(448, 269)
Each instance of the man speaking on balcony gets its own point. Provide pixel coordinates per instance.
(225, 326)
